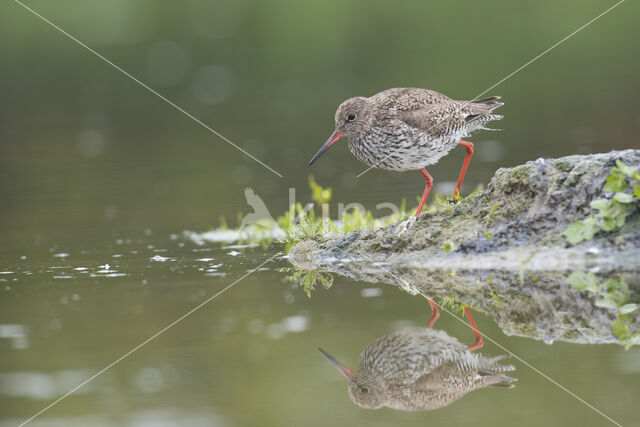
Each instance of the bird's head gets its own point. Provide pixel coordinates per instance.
(350, 118)
(363, 389)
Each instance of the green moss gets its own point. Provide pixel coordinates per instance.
(614, 295)
(610, 213)
(307, 280)
(518, 175)
(299, 224)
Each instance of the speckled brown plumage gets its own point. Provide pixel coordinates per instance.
(404, 129)
(419, 368)
(409, 128)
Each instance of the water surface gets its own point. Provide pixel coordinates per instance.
(99, 179)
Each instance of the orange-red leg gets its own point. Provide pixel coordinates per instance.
(479, 343)
(467, 158)
(435, 313)
(429, 181)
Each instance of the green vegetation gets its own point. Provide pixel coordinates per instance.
(612, 294)
(496, 299)
(456, 306)
(307, 279)
(312, 221)
(319, 194)
(624, 183)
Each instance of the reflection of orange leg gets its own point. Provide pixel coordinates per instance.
(465, 165)
(429, 183)
(435, 313)
(479, 343)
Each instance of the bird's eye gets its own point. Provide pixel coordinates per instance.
(364, 390)
(351, 117)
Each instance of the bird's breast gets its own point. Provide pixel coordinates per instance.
(400, 148)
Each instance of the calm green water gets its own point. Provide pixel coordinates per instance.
(249, 356)
(95, 171)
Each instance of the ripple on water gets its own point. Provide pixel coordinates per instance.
(160, 258)
(16, 334)
(370, 292)
(43, 386)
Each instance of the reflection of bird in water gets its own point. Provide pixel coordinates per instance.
(260, 215)
(418, 368)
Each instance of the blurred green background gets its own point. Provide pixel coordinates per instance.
(88, 156)
(84, 148)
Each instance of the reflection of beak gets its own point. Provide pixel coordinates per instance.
(346, 372)
(332, 140)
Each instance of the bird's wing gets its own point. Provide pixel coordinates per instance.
(408, 98)
(436, 114)
(447, 373)
(424, 110)
(435, 119)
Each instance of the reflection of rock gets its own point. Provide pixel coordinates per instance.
(508, 256)
(531, 303)
(419, 368)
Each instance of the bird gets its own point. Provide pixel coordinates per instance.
(421, 368)
(403, 129)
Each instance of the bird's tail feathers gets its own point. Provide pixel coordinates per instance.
(490, 366)
(487, 104)
(502, 381)
(493, 372)
(478, 121)
(478, 112)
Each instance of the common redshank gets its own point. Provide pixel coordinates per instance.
(404, 129)
(418, 368)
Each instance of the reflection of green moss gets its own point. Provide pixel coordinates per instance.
(453, 303)
(308, 279)
(497, 300)
(456, 305)
(612, 294)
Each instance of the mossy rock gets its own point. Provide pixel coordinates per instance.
(512, 230)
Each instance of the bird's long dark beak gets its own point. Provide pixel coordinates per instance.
(332, 140)
(346, 372)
